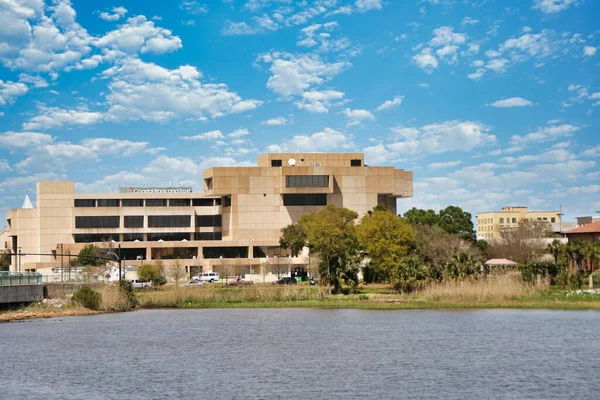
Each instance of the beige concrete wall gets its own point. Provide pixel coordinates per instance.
(489, 224)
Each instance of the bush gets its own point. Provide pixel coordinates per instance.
(87, 297)
(530, 271)
(411, 274)
(152, 273)
(596, 278)
(571, 281)
(127, 289)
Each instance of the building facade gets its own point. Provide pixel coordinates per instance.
(490, 223)
(236, 220)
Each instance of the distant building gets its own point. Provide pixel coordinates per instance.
(589, 232)
(490, 223)
(234, 223)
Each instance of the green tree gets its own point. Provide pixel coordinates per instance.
(5, 259)
(331, 234)
(462, 266)
(91, 255)
(416, 216)
(293, 238)
(454, 220)
(410, 274)
(558, 251)
(386, 238)
(151, 273)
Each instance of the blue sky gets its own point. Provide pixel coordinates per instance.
(489, 102)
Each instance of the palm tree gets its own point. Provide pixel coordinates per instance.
(557, 249)
(596, 255)
(573, 253)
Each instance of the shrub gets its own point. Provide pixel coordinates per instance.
(152, 273)
(530, 271)
(567, 280)
(87, 297)
(127, 289)
(411, 274)
(596, 278)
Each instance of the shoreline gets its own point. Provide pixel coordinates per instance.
(32, 313)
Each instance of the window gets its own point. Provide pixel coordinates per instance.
(545, 219)
(208, 236)
(269, 251)
(179, 203)
(355, 163)
(133, 221)
(304, 199)
(218, 202)
(85, 203)
(225, 252)
(276, 163)
(132, 237)
(208, 220)
(108, 203)
(98, 237)
(553, 220)
(171, 253)
(307, 180)
(175, 237)
(156, 202)
(97, 222)
(501, 220)
(209, 183)
(514, 220)
(133, 254)
(227, 201)
(203, 202)
(132, 203)
(170, 221)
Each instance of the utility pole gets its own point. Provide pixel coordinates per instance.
(119, 256)
(19, 258)
(62, 266)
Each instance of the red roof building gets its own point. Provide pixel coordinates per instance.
(589, 232)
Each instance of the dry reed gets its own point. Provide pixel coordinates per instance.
(113, 298)
(494, 288)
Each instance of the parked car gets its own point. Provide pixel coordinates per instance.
(137, 284)
(193, 283)
(239, 282)
(206, 277)
(313, 281)
(288, 280)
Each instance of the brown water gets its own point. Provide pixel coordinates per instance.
(303, 354)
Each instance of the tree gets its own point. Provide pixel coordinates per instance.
(386, 238)
(5, 260)
(454, 220)
(152, 273)
(177, 272)
(522, 244)
(91, 255)
(293, 238)
(416, 216)
(410, 274)
(462, 266)
(558, 251)
(331, 233)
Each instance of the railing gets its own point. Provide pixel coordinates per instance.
(19, 278)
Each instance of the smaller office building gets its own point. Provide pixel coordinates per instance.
(490, 223)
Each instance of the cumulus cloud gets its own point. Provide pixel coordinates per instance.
(206, 136)
(426, 60)
(12, 140)
(318, 102)
(326, 140)
(554, 6)
(277, 121)
(589, 51)
(9, 91)
(54, 117)
(512, 102)
(545, 134)
(444, 165)
(117, 13)
(193, 7)
(386, 105)
(356, 117)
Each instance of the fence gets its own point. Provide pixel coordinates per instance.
(19, 278)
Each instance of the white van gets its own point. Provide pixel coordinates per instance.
(206, 277)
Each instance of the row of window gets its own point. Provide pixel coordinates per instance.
(152, 237)
(154, 221)
(304, 199)
(353, 163)
(307, 181)
(205, 202)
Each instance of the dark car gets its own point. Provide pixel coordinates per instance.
(286, 281)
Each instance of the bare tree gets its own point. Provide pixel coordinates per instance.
(177, 272)
(522, 244)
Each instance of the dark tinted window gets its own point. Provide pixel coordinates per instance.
(208, 220)
(355, 163)
(177, 237)
(304, 199)
(307, 180)
(85, 203)
(134, 221)
(203, 202)
(208, 236)
(132, 237)
(97, 222)
(173, 221)
(179, 202)
(98, 237)
(108, 203)
(170, 253)
(227, 201)
(225, 252)
(156, 202)
(276, 163)
(218, 201)
(132, 203)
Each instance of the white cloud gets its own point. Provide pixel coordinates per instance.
(5, 166)
(9, 91)
(318, 101)
(468, 21)
(364, 5)
(445, 36)
(117, 13)
(426, 60)
(326, 140)
(545, 134)
(206, 136)
(386, 105)
(319, 37)
(589, 51)
(291, 75)
(140, 90)
(277, 121)
(24, 139)
(554, 6)
(512, 102)
(117, 147)
(193, 7)
(238, 133)
(444, 165)
(53, 117)
(355, 117)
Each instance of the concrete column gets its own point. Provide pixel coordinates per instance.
(148, 253)
(591, 281)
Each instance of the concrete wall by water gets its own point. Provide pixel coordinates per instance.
(22, 293)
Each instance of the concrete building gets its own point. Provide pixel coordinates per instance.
(490, 223)
(234, 223)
